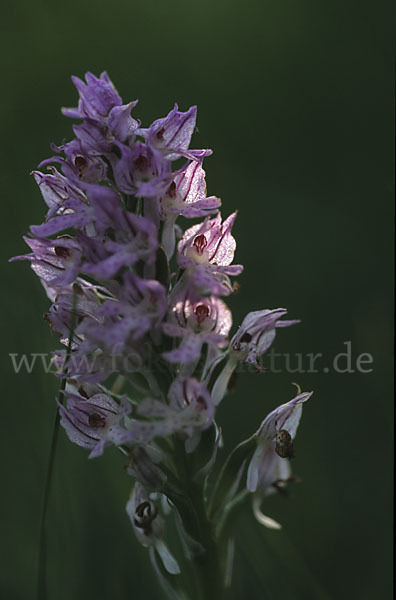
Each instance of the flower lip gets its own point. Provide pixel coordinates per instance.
(172, 191)
(202, 312)
(145, 514)
(62, 252)
(80, 162)
(96, 420)
(200, 243)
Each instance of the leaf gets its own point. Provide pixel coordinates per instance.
(206, 452)
(229, 478)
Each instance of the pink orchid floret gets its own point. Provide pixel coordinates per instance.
(205, 320)
(207, 250)
(269, 469)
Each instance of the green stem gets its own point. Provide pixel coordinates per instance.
(42, 554)
(42, 558)
(208, 564)
(193, 512)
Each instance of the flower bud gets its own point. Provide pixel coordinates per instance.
(148, 526)
(143, 468)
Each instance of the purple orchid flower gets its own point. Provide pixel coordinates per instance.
(100, 103)
(193, 399)
(252, 340)
(189, 412)
(92, 419)
(142, 171)
(256, 334)
(100, 345)
(207, 250)
(207, 320)
(105, 118)
(140, 307)
(269, 469)
(56, 262)
(93, 213)
(148, 526)
(97, 97)
(134, 239)
(82, 297)
(186, 196)
(94, 137)
(57, 191)
(78, 165)
(172, 134)
(121, 125)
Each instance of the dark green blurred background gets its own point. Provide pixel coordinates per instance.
(296, 100)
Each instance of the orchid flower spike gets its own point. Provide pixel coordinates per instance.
(147, 352)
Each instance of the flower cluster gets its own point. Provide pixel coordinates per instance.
(139, 304)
